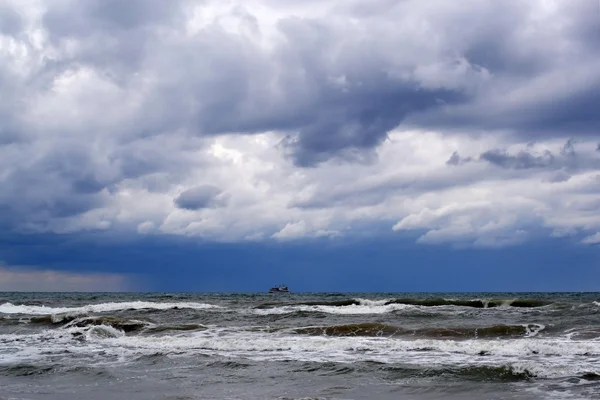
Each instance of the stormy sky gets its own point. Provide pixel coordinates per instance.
(134, 133)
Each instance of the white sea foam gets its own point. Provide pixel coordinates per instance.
(534, 329)
(9, 308)
(544, 357)
(103, 331)
(367, 302)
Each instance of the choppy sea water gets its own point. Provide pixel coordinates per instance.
(300, 346)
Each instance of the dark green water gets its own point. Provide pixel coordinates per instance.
(293, 346)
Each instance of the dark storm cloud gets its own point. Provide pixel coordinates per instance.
(560, 176)
(71, 180)
(358, 110)
(336, 89)
(456, 159)
(226, 78)
(537, 90)
(59, 184)
(114, 36)
(220, 82)
(199, 197)
(566, 158)
(522, 160)
(362, 123)
(325, 105)
(11, 95)
(548, 115)
(568, 150)
(333, 85)
(88, 185)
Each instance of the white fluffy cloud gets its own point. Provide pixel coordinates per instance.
(472, 123)
(410, 187)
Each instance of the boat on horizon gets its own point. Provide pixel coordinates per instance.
(279, 289)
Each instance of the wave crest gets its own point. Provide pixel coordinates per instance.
(9, 308)
(124, 325)
(521, 303)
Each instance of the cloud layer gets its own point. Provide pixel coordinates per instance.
(472, 123)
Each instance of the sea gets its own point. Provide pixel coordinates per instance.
(181, 346)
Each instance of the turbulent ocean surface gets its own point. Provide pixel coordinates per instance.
(300, 346)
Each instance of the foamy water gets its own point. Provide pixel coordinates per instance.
(537, 344)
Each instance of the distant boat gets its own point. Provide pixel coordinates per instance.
(279, 289)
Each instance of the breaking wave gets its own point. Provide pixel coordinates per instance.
(121, 324)
(103, 332)
(543, 357)
(124, 325)
(45, 314)
(433, 340)
(366, 306)
(61, 313)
